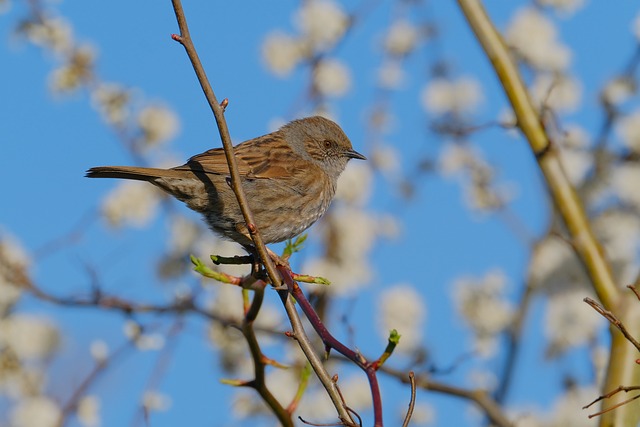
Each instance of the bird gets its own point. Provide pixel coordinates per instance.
(289, 177)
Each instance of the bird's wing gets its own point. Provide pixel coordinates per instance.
(257, 159)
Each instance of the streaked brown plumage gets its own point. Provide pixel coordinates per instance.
(289, 177)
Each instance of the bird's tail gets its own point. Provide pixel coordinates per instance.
(130, 172)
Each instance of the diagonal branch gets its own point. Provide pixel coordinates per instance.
(567, 203)
(218, 111)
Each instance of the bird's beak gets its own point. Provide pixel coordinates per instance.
(353, 154)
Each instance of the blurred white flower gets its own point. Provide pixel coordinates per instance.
(99, 351)
(563, 6)
(569, 322)
(575, 155)
(618, 90)
(281, 53)
(150, 342)
(442, 96)
(184, 233)
(153, 400)
(354, 184)
(385, 158)
(391, 75)
(88, 411)
(331, 78)
(533, 37)
(555, 266)
(564, 413)
(402, 308)
(131, 202)
(629, 130)
(131, 329)
(465, 163)
(112, 102)
(624, 179)
(29, 336)
(560, 93)
(323, 22)
(52, 32)
(401, 38)
(483, 305)
(454, 158)
(158, 124)
(227, 303)
(75, 72)
(38, 411)
(619, 232)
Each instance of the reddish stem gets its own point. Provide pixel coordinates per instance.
(331, 342)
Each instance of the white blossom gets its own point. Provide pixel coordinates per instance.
(483, 305)
(281, 52)
(53, 32)
(560, 93)
(629, 131)
(569, 322)
(619, 232)
(99, 351)
(385, 158)
(554, 265)
(624, 179)
(575, 155)
(533, 37)
(131, 202)
(391, 75)
(355, 184)
(331, 78)
(150, 342)
(29, 336)
(38, 411)
(442, 96)
(564, 412)
(155, 401)
(183, 235)
(402, 308)
(158, 124)
(112, 101)
(618, 90)
(401, 38)
(323, 22)
(88, 411)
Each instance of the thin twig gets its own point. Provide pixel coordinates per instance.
(218, 111)
(331, 342)
(412, 402)
(481, 398)
(613, 320)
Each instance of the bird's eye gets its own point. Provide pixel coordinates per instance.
(327, 143)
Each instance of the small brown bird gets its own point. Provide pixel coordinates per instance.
(289, 177)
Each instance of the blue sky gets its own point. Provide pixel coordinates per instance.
(49, 141)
